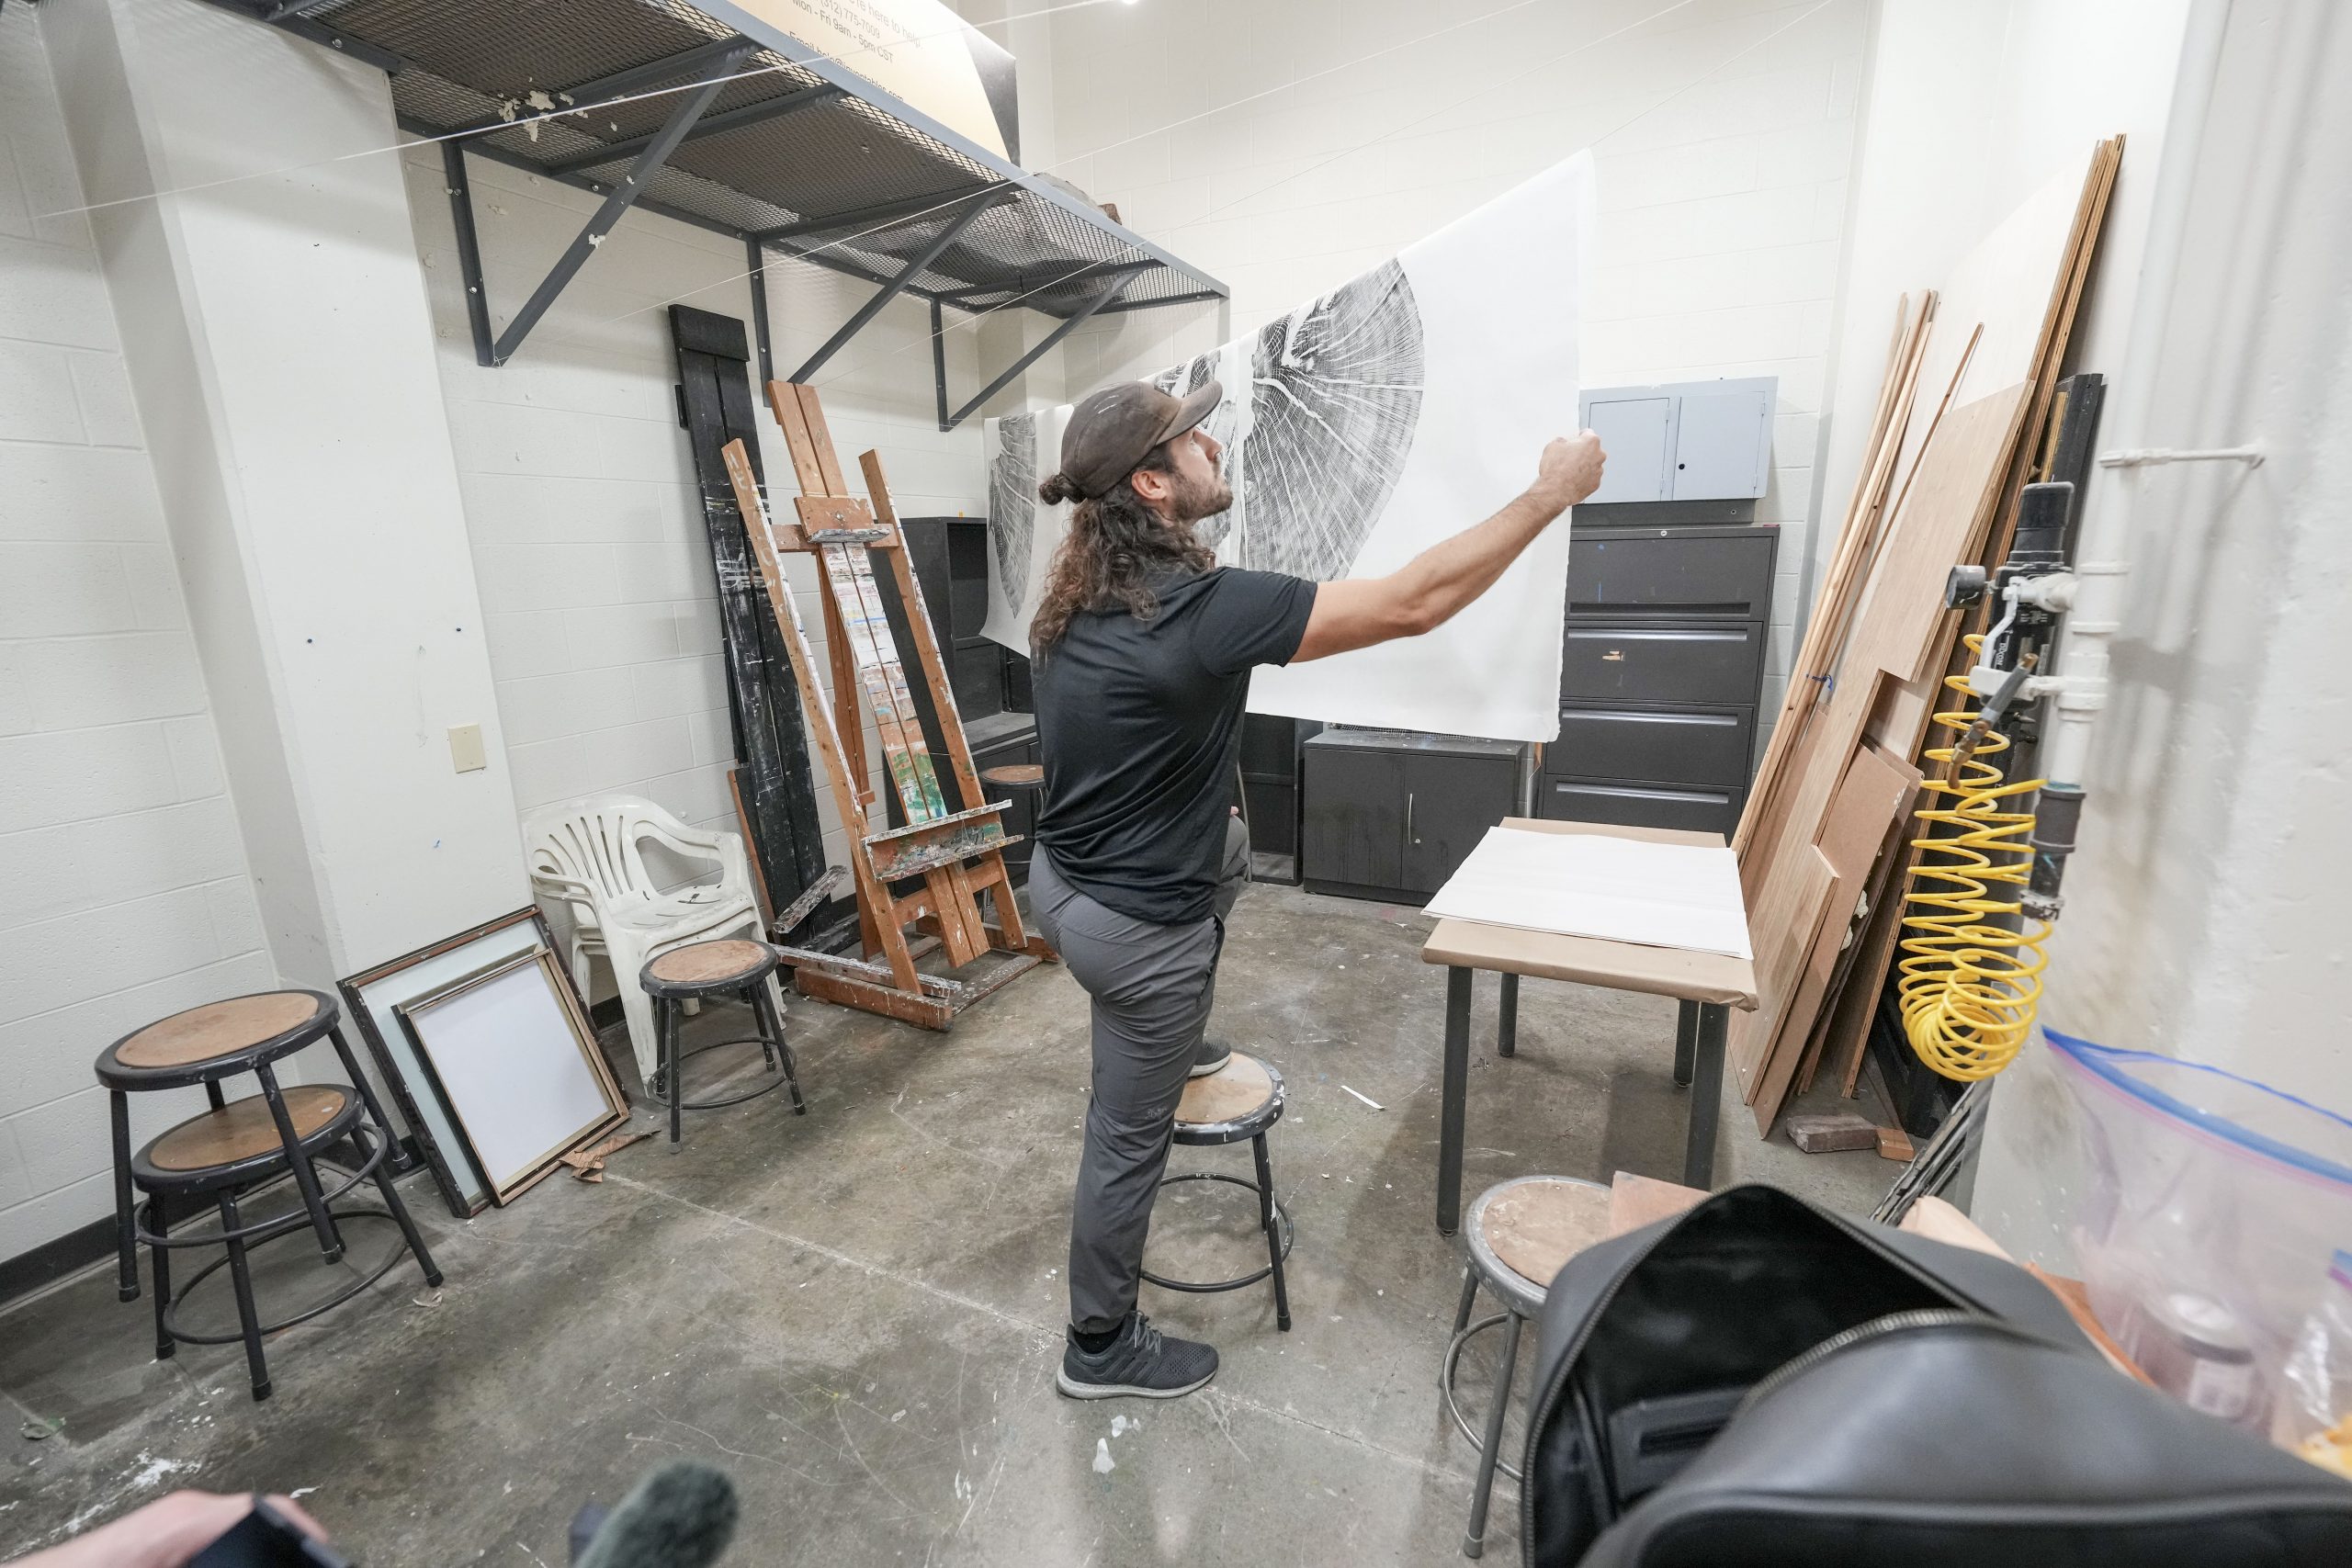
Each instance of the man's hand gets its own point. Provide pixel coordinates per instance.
(1570, 470)
(167, 1533)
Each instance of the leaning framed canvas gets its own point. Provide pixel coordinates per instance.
(371, 996)
(513, 1058)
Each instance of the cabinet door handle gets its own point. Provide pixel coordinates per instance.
(1408, 818)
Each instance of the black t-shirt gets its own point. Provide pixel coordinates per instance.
(1140, 724)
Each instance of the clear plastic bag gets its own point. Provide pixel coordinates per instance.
(2212, 1211)
(2319, 1377)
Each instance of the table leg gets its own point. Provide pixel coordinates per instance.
(1706, 1096)
(1457, 1090)
(1507, 1030)
(1686, 1042)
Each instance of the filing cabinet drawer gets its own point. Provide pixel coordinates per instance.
(1684, 574)
(1613, 660)
(1695, 745)
(1689, 806)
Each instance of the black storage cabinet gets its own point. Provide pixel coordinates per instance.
(1661, 672)
(1391, 814)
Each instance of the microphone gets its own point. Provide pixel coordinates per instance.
(682, 1515)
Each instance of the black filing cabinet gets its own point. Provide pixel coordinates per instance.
(1391, 814)
(1661, 672)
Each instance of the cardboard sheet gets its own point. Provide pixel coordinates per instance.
(1615, 889)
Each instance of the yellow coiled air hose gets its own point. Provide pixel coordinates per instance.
(1970, 983)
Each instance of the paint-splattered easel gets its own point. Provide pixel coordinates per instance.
(959, 855)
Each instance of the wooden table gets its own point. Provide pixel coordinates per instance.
(1708, 985)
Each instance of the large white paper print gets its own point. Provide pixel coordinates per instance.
(1396, 411)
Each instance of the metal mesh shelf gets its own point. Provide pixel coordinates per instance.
(793, 151)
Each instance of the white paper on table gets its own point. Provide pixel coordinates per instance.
(1616, 889)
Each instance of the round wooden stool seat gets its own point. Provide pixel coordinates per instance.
(1239, 1100)
(244, 1130)
(1524, 1230)
(220, 1028)
(1016, 775)
(708, 966)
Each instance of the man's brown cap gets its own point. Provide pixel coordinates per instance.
(1113, 430)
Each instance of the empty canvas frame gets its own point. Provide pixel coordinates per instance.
(514, 1060)
(371, 998)
(1398, 410)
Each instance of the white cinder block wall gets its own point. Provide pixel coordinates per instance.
(1353, 128)
(580, 490)
(123, 886)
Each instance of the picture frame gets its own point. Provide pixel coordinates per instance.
(512, 1054)
(370, 999)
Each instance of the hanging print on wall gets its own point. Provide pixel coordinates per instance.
(1372, 421)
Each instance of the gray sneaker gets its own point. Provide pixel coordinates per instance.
(1141, 1361)
(1213, 1055)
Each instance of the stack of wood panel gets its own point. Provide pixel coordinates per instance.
(1825, 836)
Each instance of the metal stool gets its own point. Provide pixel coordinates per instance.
(204, 1045)
(727, 967)
(1518, 1233)
(1240, 1099)
(222, 1153)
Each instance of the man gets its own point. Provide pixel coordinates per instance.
(1143, 647)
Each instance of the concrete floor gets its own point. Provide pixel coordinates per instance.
(858, 1312)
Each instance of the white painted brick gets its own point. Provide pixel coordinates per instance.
(153, 573)
(74, 775)
(630, 753)
(58, 589)
(514, 577)
(103, 389)
(48, 1055)
(196, 757)
(94, 861)
(16, 1187)
(54, 294)
(51, 1215)
(37, 399)
(56, 1140)
(668, 571)
(627, 634)
(15, 213)
(52, 963)
(692, 795)
(236, 916)
(77, 492)
(547, 771)
(546, 706)
(80, 682)
(528, 643)
(679, 686)
(712, 736)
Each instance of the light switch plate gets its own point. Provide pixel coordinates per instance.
(465, 748)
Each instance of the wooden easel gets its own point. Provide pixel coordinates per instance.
(958, 855)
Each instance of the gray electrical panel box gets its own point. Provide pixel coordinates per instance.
(1686, 441)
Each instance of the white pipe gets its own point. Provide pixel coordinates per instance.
(2105, 534)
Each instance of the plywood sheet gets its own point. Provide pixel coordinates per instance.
(1786, 923)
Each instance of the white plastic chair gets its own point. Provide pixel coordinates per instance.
(585, 856)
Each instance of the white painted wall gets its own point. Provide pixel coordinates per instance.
(2205, 910)
(123, 888)
(1969, 110)
(1286, 145)
(579, 494)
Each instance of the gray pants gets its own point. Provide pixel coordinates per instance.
(1152, 986)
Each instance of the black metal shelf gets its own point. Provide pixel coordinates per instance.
(783, 147)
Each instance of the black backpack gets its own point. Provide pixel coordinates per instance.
(1759, 1382)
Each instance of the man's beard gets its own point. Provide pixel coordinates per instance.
(1189, 499)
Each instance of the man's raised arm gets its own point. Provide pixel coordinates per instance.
(1431, 588)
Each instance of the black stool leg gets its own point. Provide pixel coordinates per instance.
(1686, 1043)
(754, 994)
(408, 1226)
(771, 1029)
(305, 1177)
(212, 1092)
(1505, 1363)
(244, 1280)
(1273, 1231)
(366, 1091)
(667, 1011)
(1469, 1299)
(162, 1257)
(125, 1227)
